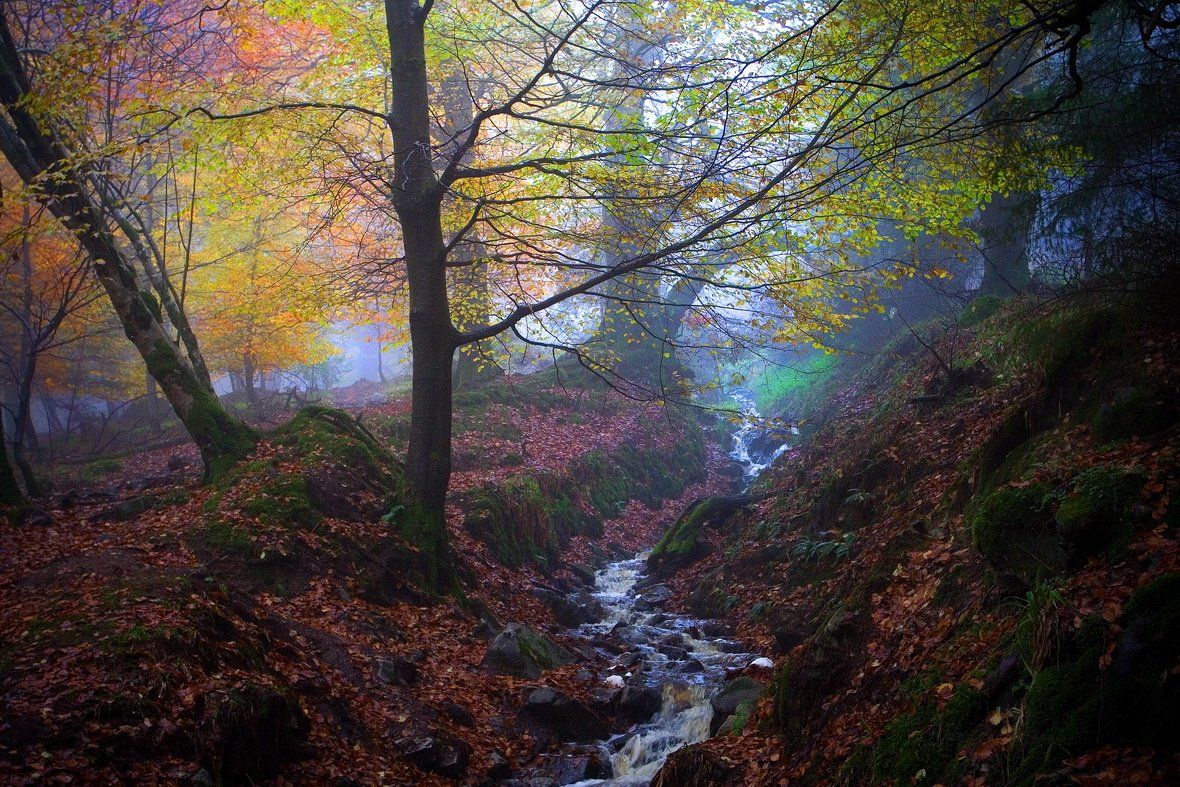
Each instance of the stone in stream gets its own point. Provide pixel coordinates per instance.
(567, 718)
(523, 652)
(639, 703)
(733, 694)
(692, 666)
(582, 608)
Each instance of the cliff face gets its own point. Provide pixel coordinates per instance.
(969, 573)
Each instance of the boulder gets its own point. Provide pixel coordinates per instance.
(523, 652)
(437, 754)
(397, 671)
(732, 694)
(639, 703)
(567, 718)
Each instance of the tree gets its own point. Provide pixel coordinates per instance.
(80, 193)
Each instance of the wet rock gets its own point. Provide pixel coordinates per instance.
(584, 574)
(693, 766)
(733, 694)
(582, 608)
(674, 653)
(577, 765)
(437, 754)
(397, 671)
(523, 652)
(639, 703)
(657, 595)
(692, 666)
(567, 718)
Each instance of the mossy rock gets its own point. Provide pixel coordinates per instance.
(920, 747)
(1096, 513)
(1074, 706)
(1013, 527)
(1133, 411)
(523, 652)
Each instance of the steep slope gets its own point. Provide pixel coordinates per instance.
(968, 577)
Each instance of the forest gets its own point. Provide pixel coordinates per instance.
(589, 392)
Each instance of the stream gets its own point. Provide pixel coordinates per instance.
(682, 658)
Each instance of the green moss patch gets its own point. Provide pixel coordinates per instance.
(1014, 529)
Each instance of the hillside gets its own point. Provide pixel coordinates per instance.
(967, 578)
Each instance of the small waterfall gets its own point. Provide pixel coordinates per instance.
(685, 711)
(752, 430)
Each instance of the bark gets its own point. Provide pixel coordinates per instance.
(417, 199)
(10, 494)
(34, 150)
(1004, 227)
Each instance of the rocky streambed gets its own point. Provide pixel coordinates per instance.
(675, 678)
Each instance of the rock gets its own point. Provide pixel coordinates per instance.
(523, 652)
(75, 497)
(615, 681)
(674, 653)
(584, 574)
(484, 631)
(657, 594)
(693, 766)
(639, 703)
(397, 671)
(500, 768)
(692, 666)
(583, 608)
(127, 509)
(201, 779)
(569, 719)
(437, 754)
(762, 663)
(458, 714)
(578, 765)
(733, 694)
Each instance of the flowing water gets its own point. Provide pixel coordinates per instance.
(683, 658)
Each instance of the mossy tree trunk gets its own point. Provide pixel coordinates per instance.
(417, 199)
(43, 161)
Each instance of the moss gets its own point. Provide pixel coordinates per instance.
(979, 310)
(282, 501)
(224, 537)
(1074, 706)
(1096, 513)
(683, 539)
(1013, 528)
(100, 468)
(920, 747)
(1132, 411)
(539, 649)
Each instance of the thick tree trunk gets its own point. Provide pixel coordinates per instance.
(34, 150)
(1004, 225)
(417, 198)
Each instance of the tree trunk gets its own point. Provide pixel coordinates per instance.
(417, 199)
(34, 150)
(10, 494)
(1004, 226)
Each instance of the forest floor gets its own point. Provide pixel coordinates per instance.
(961, 581)
(123, 650)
